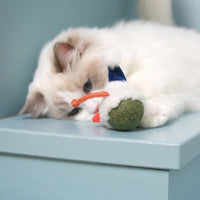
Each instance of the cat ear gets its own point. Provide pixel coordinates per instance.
(34, 105)
(62, 52)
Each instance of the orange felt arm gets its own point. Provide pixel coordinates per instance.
(77, 102)
(96, 117)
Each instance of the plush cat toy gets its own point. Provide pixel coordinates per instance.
(122, 107)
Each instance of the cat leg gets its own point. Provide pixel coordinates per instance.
(161, 109)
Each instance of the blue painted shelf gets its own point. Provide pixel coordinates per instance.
(169, 147)
(165, 159)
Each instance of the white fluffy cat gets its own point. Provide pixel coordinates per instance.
(160, 61)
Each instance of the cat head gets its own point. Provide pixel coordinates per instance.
(69, 67)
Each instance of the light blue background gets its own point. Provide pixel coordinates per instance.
(26, 25)
(187, 13)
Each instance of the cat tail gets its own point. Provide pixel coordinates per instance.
(158, 10)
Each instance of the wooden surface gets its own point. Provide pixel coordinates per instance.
(24, 178)
(168, 147)
(184, 184)
(55, 159)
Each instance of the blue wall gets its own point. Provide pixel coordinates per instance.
(187, 13)
(26, 25)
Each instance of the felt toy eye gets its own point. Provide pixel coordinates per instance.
(74, 111)
(87, 86)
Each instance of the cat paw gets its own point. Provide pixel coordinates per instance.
(157, 114)
(153, 121)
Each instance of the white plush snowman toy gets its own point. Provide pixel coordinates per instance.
(122, 107)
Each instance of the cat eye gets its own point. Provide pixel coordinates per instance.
(87, 86)
(74, 111)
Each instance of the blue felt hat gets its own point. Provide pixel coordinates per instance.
(116, 74)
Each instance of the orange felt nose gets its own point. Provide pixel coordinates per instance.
(74, 103)
(77, 102)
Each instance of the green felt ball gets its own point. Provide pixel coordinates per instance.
(127, 115)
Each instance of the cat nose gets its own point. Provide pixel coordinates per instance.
(91, 106)
(96, 109)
